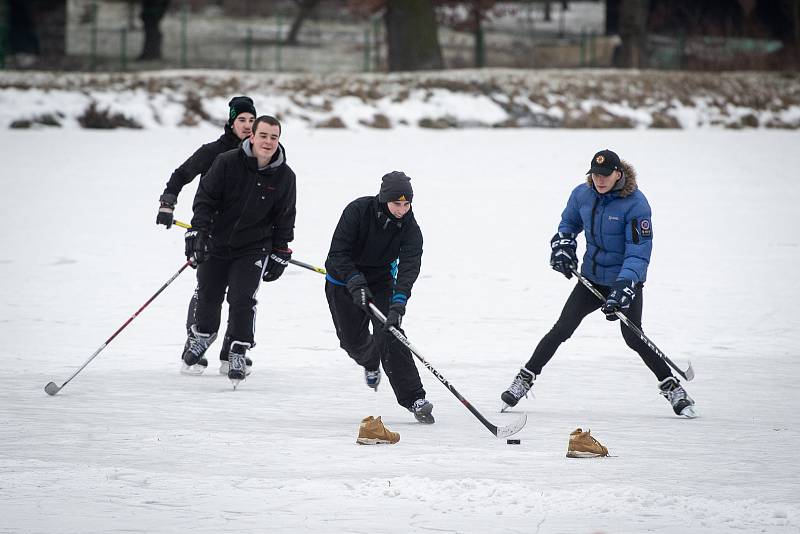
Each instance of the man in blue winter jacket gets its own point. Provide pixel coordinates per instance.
(615, 216)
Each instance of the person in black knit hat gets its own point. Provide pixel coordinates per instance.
(375, 257)
(241, 115)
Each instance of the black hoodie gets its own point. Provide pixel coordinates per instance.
(368, 239)
(200, 161)
(244, 209)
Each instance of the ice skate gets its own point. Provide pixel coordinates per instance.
(372, 432)
(682, 403)
(583, 445)
(520, 387)
(224, 365)
(372, 378)
(236, 357)
(422, 410)
(196, 345)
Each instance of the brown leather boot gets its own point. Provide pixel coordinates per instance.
(583, 445)
(372, 432)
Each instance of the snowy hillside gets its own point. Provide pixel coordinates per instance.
(133, 446)
(491, 98)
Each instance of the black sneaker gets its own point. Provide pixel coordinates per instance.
(682, 403)
(422, 410)
(372, 378)
(520, 387)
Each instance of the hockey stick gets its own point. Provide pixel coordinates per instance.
(51, 388)
(500, 432)
(688, 374)
(308, 266)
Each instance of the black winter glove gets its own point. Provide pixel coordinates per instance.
(357, 286)
(196, 246)
(563, 257)
(277, 262)
(620, 298)
(395, 316)
(166, 209)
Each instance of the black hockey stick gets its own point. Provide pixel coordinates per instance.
(51, 388)
(500, 432)
(688, 374)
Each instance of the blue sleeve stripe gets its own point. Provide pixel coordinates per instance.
(333, 280)
(399, 297)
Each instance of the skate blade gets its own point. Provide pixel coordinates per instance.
(236, 382)
(504, 407)
(192, 370)
(689, 412)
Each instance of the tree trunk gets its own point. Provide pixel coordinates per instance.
(305, 8)
(612, 17)
(633, 33)
(152, 13)
(412, 35)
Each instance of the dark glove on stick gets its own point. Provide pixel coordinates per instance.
(166, 209)
(357, 286)
(563, 257)
(620, 298)
(277, 262)
(395, 316)
(196, 246)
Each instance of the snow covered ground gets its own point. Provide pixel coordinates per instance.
(131, 445)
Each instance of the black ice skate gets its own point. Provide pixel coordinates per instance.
(224, 365)
(520, 387)
(372, 378)
(236, 358)
(196, 345)
(422, 410)
(682, 403)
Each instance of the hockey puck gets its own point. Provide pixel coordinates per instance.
(512, 442)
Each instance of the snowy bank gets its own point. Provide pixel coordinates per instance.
(491, 98)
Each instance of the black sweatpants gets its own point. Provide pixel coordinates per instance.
(372, 350)
(582, 302)
(241, 277)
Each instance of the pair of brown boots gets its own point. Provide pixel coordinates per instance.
(583, 445)
(372, 432)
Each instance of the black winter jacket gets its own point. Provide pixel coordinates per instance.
(368, 239)
(200, 161)
(246, 210)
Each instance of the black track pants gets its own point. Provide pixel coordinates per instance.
(582, 302)
(372, 350)
(241, 277)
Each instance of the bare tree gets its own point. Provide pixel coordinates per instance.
(412, 35)
(152, 13)
(633, 33)
(304, 10)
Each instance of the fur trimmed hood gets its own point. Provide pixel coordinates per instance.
(628, 174)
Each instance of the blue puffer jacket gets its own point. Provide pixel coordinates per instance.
(619, 233)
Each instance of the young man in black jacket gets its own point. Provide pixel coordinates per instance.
(244, 213)
(375, 256)
(241, 115)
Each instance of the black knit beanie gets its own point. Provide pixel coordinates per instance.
(239, 105)
(395, 186)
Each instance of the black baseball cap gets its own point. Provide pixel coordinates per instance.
(605, 162)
